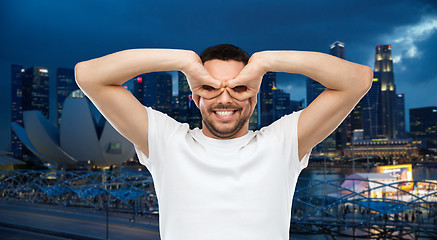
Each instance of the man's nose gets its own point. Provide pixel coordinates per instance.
(225, 97)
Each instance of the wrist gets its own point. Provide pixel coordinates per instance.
(279, 61)
(265, 59)
(188, 58)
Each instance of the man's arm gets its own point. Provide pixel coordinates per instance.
(101, 79)
(346, 84)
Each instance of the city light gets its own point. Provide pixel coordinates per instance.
(42, 70)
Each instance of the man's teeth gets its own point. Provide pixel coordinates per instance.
(224, 113)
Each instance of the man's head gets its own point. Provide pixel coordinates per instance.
(224, 52)
(224, 116)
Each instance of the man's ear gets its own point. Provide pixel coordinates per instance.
(196, 99)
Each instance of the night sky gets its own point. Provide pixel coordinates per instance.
(61, 33)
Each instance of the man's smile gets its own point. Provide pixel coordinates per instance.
(225, 114)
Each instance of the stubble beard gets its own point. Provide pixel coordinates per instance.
(225, 134)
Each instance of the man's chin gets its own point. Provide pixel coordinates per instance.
(222, 131)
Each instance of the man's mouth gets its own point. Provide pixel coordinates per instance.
(224, 114)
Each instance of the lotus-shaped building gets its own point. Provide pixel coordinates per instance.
(79, 139)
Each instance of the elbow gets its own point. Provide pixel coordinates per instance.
(366, 78)
(81, 74)
(78, 76)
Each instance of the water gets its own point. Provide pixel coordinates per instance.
(419, 173)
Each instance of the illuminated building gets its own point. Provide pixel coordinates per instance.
(393, 148)
(371, 110)
(30, 91)
(253, 120)
(158, 91)
(65, 85)
(363, 182)
(266, 99)
(402, 173)
(188, 111)
(183, 93)
(36, 90)
(297, 105)
(384, 65)
(281, 103)
(423, 125)
(138, 90)
(17, 147)
(400, 118)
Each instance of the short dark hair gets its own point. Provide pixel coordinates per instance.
(224, 52)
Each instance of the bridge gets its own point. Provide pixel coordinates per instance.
(377, 211)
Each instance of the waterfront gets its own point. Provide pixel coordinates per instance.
(320, 210)
(374, 209)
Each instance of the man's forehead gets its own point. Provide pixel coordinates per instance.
(223, 70)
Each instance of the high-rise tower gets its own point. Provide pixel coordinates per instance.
(65, 85)
(30, 91)
(400, 111)
(384, 65)
(16, 109)
(371, 118)
(158, 91)
(36, 90)
(265, 114)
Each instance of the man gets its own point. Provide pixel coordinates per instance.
(223, 181)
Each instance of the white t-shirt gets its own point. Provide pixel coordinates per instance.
(212, 189)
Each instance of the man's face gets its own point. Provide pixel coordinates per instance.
(224, 116)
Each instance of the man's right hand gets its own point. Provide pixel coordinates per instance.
(246, 85)
(200, 81)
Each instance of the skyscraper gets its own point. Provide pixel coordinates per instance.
(30, 91)
(253, 120)
(423, 125)
(158, 91)
(36, 90)
(400, 118)
(281, 103)
(138, 90)
(65, 85)
(184, 94)
(266, 99)
(337, 49)
(16, 108)
(297, 105)
(371, 118)
(384, 65)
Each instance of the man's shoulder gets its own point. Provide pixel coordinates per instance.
(285, 119)
(162, 120)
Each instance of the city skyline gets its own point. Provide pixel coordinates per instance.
(52, 41)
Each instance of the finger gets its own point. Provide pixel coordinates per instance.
(208, 93)
(241, 96)
(217, 84)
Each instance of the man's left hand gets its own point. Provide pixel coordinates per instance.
(246, 85)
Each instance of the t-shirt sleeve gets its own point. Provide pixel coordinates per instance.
(291, 122)
(285, 131)
(160, 129)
